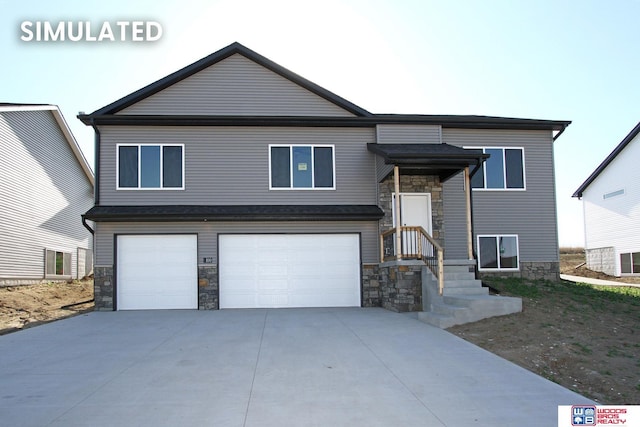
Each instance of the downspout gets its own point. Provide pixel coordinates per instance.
(473, 240)
(96, 190)
(87, 226)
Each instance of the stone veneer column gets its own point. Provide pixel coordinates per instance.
(208, 292)
(401, 286)
(370, 286)
(103, 288)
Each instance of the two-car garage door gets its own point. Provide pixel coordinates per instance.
(289, 270)
(255, 270)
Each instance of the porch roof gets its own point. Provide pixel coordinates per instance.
(443, 160)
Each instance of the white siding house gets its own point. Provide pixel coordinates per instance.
(45, 186)
(611, 203)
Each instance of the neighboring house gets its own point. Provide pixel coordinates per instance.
(45, 187)
(611, 204)
(234, 182)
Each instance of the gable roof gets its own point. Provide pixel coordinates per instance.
(634, 132)
(232, 49)
(362, 118)
(64, 128)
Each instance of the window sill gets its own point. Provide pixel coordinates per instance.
(300, 189)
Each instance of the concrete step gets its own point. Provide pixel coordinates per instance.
(446, 309)
(458, 275)
(464, 291)
(463, 283)
(441, 321)
(458, 310)
(458, 268)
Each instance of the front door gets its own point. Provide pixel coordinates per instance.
(415, 210)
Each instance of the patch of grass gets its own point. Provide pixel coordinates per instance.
(583, 348)
(593, 297)
(515, 286)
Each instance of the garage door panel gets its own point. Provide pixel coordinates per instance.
(272, 301)
(273, 284)
(298, 270)
(157, 272)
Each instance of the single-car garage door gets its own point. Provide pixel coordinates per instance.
(289, 270)
(157, 272)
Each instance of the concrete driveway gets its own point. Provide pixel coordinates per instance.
(290, 367)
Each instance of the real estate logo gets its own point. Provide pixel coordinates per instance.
(583, 415)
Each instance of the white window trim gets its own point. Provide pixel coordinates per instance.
(504, 169)
(58, 276)
(496, 236)
(139, 187)
(312, 188)
(619, 261)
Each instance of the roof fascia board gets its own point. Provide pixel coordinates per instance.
(9, 108)
(456, 122)
(627, 139)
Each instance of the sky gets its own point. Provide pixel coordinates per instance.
(543, 59)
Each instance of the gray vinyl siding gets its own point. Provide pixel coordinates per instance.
(236, 86)
(230, 165)
(530, 214)
(43, 192)
(382, 169)
(403, 134)
(408, 134)
(208, 234)
(455, 218)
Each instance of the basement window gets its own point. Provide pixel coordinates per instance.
(57, 264)
(498, 252)
(630, 263)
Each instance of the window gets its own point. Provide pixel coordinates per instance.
(503, 170)
(150, 166)
(301, 167)
(498, 252)
(57, 263)
(630, 263)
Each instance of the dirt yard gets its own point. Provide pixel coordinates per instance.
(584, 339)
(30, 305)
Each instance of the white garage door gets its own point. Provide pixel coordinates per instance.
(157, 272)
(289, 270)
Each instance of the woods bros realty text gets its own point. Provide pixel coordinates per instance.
(86, 31)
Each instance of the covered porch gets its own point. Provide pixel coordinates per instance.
(410, 193)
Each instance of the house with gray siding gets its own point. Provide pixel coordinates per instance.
(45, 187)
(611, 205)
(235, 182)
